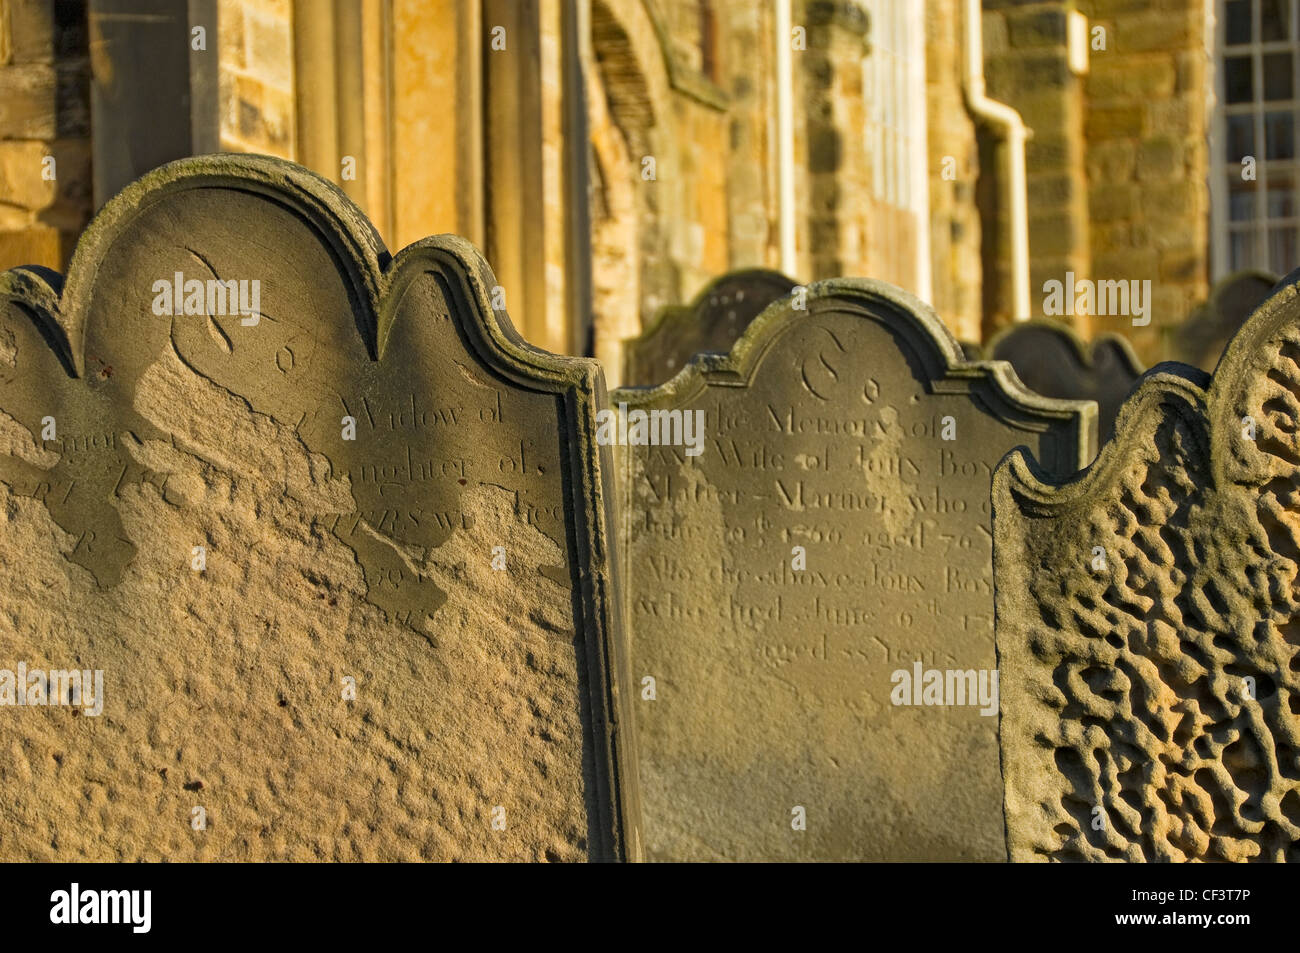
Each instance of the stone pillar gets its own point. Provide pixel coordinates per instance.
(525, 210)
(751, 171)
(1146, 124)
(437, 119)
(153, 86)
(45, 178)
(343, 87)
(837, 166)
(956, 270)
(576, 57)
(255, 49)
(616, 253)
(1027, 66)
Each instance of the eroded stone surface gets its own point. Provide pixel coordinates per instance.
(714, 321)
(1050, 359)
(481, 694)
(1151, 656)
(823, 430)
(1200, 339)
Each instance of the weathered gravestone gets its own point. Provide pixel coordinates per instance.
(1148, 621)
(714, 321)
(1050, 359)
(1200, 339)
(820, 537)
(335, 540)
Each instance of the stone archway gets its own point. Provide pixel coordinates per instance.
(628, 92)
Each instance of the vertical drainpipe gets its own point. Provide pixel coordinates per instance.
(1015, 133)
(785, 138)
(918, 122)
(575, 26)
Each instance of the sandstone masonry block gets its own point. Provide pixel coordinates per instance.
(1156, 30)
(1037, 27)
(1160, 160)
(34, 245)
(31, 30)
(1152, 75)
(1114, 122)
(1111, 202)
(269, 54)
(27, 102)
(1111, 161)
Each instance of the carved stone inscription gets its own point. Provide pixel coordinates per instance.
(335, 598)
(792, 588)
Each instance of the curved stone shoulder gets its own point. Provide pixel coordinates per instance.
(375, 277)
(775, 285)
(942, 358)
(1169, 385)
(1213, 404)
(712, 321)
(1089, 353)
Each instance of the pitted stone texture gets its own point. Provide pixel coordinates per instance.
(1151, 704)
(482, 695)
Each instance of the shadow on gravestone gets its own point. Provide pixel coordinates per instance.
(1052, 360)
(336, 542)
(786, 583)
(1151, 656)
(714, 321)
(1200, 339)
